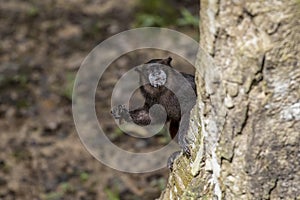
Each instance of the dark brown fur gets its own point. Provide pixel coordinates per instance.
(176, 115)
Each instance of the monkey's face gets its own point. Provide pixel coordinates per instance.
(157, 77)
(153, 73)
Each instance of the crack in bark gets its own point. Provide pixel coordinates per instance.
(218, 10)
(272, 188)
(248, 13)
(276, 29)
(259, 75)
(262, 65)
(215, 41)
(244, 123)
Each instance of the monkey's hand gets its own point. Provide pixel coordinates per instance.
(120, 112)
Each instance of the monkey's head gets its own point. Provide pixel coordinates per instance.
(155, 72)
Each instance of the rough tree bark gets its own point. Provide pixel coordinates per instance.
(246, 125)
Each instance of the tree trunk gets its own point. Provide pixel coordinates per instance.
(248, 144)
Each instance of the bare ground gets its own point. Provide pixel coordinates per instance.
(42, 45)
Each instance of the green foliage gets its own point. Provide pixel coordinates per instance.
(111, 195)
(84, 176)
(188, 19)
(33, 11)
(2, 79)
(159, 183)
(145, 20)
(20, 79)
(162, 13)
(22, 103)
(64, 188)
(155, 13)
(117, 133)
(67, 187)
(68, 89)
(53, 196)
(164, 136)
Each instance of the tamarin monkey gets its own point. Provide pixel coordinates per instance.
(174, 91)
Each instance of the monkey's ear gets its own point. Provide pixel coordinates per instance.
(167, 61)
(138, 69)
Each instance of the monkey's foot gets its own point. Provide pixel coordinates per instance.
(185, 146)
(172, 159)
(186, 150)
(120, 112)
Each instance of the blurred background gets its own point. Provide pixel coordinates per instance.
(42, 46)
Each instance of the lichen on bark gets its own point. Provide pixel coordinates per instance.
(248, 105)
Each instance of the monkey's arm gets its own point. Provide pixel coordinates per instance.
(140, 116)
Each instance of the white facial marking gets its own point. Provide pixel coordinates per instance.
(157, 77)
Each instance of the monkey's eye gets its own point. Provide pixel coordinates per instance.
(157, 77)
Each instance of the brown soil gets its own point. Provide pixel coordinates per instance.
(42, 46)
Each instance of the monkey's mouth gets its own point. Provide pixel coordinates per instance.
(157, 78)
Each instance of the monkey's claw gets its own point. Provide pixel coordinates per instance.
(117, 111)
(186, 151)
(172, 159)
(120, 112)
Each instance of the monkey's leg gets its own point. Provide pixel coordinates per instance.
(173, 128)
(181, 137)
(182, 134)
